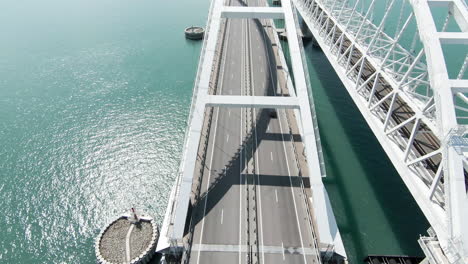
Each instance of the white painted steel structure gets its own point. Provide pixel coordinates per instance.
(252, 12)
(178, 210)
(409, 98)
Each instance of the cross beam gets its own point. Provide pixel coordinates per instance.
(252, 101)
(459, 38)
(252, 12)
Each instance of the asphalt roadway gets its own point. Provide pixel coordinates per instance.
(251, 208)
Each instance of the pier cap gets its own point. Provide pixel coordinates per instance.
(130, 238)
(194, 32)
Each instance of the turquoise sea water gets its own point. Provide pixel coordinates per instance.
(94, 96)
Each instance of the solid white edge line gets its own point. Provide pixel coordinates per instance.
(287, 163)
(208, 184)
(241, 158)
(214, 141)
(292, 190)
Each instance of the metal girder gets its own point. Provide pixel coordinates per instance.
(453, 38)
(456, 214)
(423, 182)
(252, 12)
(459, 85)
(252, 101)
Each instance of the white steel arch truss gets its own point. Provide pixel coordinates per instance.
(402, 87)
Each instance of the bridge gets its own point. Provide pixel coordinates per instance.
(249, 188)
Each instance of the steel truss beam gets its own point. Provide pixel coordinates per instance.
(259, 12)
(252, 101)
(380, 74)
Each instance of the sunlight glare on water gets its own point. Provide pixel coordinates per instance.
(94, 98)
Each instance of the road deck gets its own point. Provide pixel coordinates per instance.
(251, 205)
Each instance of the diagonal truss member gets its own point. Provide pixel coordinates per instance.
(382, 77)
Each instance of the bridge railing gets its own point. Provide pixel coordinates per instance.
(311, 98)
(204, 140)
(191, 112)
(317, 137)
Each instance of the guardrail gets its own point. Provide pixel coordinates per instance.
(206, 128)
(192, 106)
(317, 139)
(304, 194)
(316, 132)
(311, 97)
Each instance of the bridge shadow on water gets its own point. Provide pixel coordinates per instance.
(336, 110)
